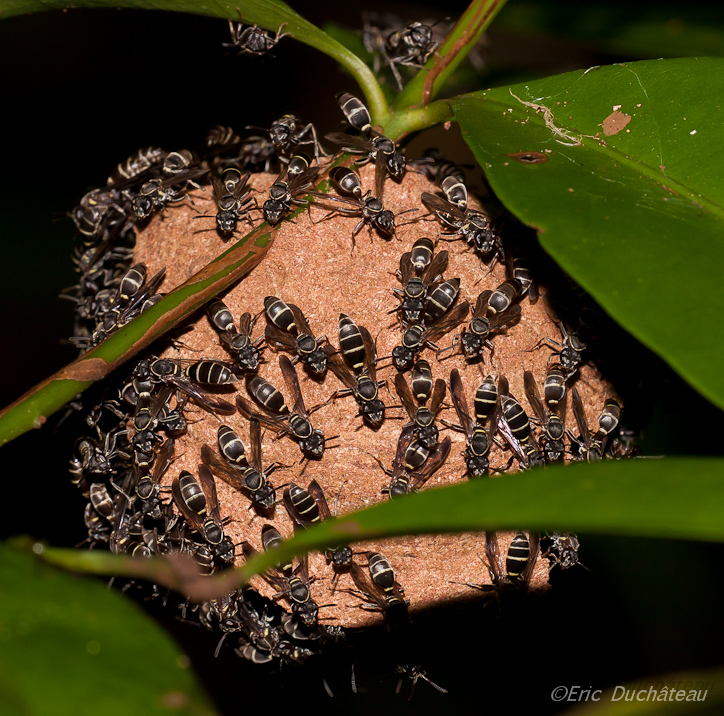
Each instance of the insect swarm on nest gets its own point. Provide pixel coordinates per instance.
(345, 293)
(360, 286)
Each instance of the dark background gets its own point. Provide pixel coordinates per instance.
(82, 90)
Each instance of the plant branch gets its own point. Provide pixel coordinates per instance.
(174, 571)
(646, 498)
(415, 119)
(32, 409)
(267, 14)
(423, 88)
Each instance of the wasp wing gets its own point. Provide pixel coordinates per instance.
(370, 364)
(299, 182)
(505, 318)
(202, 397)
(277, 338)
(405, 394)
(222, 469)
(579, 413)
(356, 145)
(206, 479)
(481, 305)
(450, 320)
(534, 540)
(457, 393)
(363, 581)
(300, 321)
(436, 268)
(316, 491)
(407, 270)
(403, 443)
(245, 324)
(292, 381)
(433, 463)
(438, 205)
(380, 174)
(513, 442)
(163, 459)
(339, 367)
(250, 412)
(531, 392)
(438, 395)
(495, 561)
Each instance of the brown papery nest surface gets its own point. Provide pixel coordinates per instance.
(312, 264)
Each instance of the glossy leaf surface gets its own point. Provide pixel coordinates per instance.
(71, 646)
(680, 498)
(620, 169)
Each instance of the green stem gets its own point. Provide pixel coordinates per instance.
(424, 87)
(268, 14)
(174, 571)
(415, 119)
(32, 409)
(673, 498)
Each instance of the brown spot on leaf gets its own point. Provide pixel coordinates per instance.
(529, 157)
(615, 122)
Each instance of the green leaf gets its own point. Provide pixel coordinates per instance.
(636, 217)
(677, 498)
(72, 646)
(267, 14)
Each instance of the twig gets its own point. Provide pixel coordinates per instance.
(32, 409)
(423, 88)
(267, 15)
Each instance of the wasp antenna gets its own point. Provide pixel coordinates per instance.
(218, 646)
(442, 351)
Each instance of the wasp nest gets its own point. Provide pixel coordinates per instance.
(313, 265)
